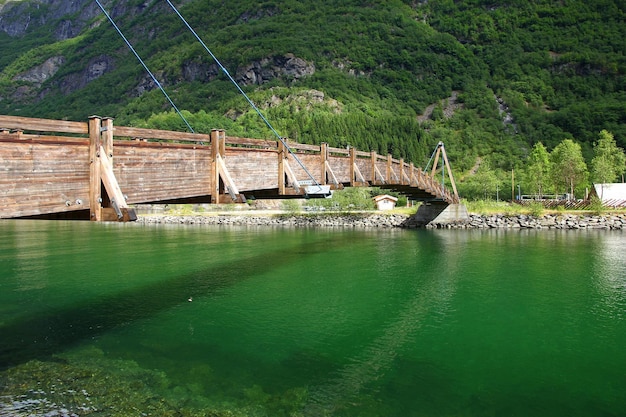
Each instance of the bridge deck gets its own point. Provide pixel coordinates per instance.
(51, 166)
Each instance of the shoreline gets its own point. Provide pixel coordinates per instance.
(393, 220)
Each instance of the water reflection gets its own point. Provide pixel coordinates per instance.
(30, 261)
(432, 262)
(609, 274)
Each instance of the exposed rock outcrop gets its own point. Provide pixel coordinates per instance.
(70, 16)
(267, 69)
(95, 69)
(39, 74)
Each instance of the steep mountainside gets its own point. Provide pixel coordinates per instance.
(488, 79)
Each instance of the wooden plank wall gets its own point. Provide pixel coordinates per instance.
(42, 176)
(152, 172)
(253, 170)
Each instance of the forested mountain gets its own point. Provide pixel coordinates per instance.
(490, 79)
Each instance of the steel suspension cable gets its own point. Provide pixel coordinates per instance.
(145, 66)
(431, 157)
(232, 80)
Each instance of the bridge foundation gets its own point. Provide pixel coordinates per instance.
(440, 212)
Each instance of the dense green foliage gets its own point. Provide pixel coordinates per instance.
(490, 80)
(560, 172)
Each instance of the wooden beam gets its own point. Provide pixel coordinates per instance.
(331, 173)
(374, 157)
(43, 125)
(116, 198)
(324, 162)
(436, 161)
(445, 160)
(109, 180)
(95, 181)
(291, 176)
(231, 187)
(214, 179)
(282, 158)
(141, 133)
(107, 136)
(357, 178)
(222, 142)
(352, 166)
(380, 175)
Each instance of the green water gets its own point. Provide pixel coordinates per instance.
(131, 320)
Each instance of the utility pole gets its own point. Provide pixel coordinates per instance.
(513, 184)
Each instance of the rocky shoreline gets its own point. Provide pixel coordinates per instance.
(551, 221)
(368, 220)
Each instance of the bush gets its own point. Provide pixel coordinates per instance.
(291, 206)
(596, 206)
(536, 209)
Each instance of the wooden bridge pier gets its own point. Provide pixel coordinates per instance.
(96, 170)
(106, 201)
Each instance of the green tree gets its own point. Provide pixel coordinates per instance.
(569, 168)
(483, 184)
(537, 173)
(609, 161)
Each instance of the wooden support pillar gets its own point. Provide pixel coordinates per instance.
(374, 157)
(107, 135)
(106, 138)
(222, 142)
(95, 181)
(215, 172)
(106, 201)
(324, 162)
(282, 156)
(388, 170)
(221, 181)
(352, 166)
(402, 181)
(411, 173)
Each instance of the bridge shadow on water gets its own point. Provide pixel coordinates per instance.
(44, 334)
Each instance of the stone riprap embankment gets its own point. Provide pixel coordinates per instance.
(564, 221)
(293, 220)
(551, 221)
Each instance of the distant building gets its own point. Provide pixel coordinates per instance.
(611, 195)
(385, 202)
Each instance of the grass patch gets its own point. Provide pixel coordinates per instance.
(490, 207)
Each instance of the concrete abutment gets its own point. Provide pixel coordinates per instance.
(440, 213)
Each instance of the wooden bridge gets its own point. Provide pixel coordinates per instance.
(96, 170)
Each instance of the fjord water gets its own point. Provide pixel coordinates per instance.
(125, 319)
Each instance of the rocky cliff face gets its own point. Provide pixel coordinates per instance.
(67, 19)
